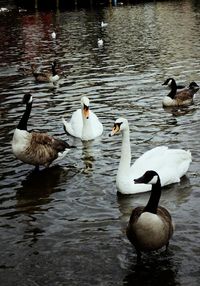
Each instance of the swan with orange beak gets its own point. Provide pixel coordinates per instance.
(84, 123)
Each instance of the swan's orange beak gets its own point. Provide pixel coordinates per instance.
(115, 129)
(86, 111)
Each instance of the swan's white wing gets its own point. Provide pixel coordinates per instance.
(97, 127)
(176, 165)
(171, 164)
(75, 126)
(149, 159)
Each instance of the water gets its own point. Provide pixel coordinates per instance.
(66, 225)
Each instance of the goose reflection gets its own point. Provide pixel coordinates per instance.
(34, 198)
(39, 185)
(180, 111)
(154, 270)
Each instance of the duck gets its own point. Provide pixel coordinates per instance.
(35, 148)
(46, 77)
(103, 24)
(179, 95)
(84, 123)
(150, 227)
(100, 43)
(170, 164)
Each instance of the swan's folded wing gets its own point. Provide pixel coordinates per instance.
(75, 126)
(148, 160)
(96, 124)
(170, 164)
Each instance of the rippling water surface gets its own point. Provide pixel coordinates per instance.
(66, 225)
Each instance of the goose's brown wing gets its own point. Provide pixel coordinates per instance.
(43, 149)
(166, 217)
(49, 141)
(183, 95)
(133, 219)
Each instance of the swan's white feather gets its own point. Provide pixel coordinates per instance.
(170, 164)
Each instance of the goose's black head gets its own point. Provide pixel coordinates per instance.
(149, 177)
(193, 85)
(54, 63)
(170, 82)
(27, 98)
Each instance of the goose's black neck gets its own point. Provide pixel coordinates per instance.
(24, 120)
(152, 204)
(173, 89)
(53, 69)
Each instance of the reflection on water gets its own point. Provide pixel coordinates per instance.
(162, 265)
(87, 156)
(66, 224)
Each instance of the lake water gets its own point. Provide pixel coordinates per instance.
(66, 224)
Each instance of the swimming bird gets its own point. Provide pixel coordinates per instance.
(179, 95)
(84, 123)
(103, 25)
(53, 35)
(36, 148)
(170, 164)
(100, 43)
(150, 227)
(3, 9)
(46, 77)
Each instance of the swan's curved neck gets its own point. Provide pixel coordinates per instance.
(125, 160)
(24, 120)
(87, 128)
(152, 204)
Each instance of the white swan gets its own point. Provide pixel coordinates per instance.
(84, 123)
(170, 164)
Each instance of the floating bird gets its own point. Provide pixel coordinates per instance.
(84, 123)
(3, 9)
(100, 43)
(36, 148)
(46, 77)
(103, 25)
(170, 164)
(179, 95)
(150, 227)
(53, 35)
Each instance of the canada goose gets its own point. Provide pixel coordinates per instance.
(84, 123)
(36, 148)
(179, 95)
(150, 227)
(46, 77)
(171, 164)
